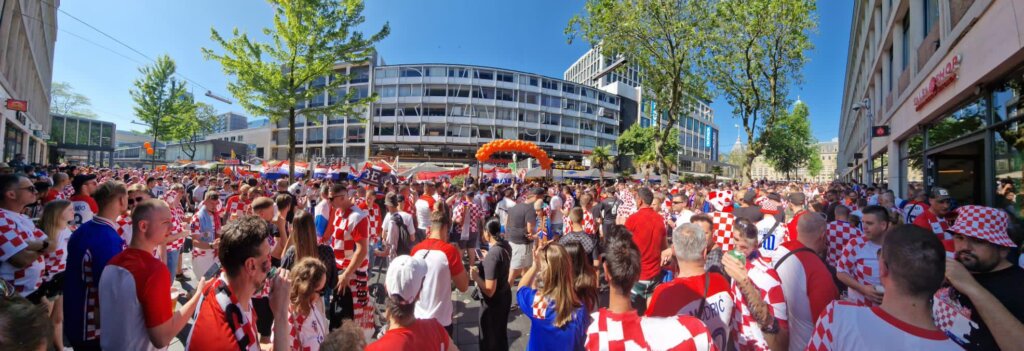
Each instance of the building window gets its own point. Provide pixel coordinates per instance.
(436, 90)
(931, 15)
(483, 74)
(388, 91)
(435, 71)
(410, 72)
(905, 54)
(457, 72)
(504, 77)
(549, 84)
(410, 90)
(458, 91)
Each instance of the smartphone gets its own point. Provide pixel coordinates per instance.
(213, 272)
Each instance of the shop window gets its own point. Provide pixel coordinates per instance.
(967, 119)
(1009, 164)
(1006, 100)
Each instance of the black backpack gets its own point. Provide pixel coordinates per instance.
(406, 241)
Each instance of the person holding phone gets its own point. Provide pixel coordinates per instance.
(491, 277)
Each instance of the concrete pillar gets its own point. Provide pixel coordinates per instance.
(895, 173)
(916, 32)
(897, 52)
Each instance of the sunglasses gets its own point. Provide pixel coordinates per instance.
(31, 189)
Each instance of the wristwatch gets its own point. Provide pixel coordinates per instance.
(46, 245)
(773, 329)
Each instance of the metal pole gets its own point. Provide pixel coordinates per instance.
(870, 158)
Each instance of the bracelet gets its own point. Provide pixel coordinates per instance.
(773, 329)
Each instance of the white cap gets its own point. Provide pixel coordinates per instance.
(405, 277)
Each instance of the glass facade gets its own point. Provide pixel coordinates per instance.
(81, 141)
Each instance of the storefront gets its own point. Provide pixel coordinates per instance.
(976, 149)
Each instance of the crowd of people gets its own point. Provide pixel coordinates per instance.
(89, 258)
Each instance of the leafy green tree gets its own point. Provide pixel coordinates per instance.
(660, 37)
(814, 165)
(639, 143)
(160, 98)
(192, 126)
(308, 38)
(754, 52)
(790, 144)
(600, 158)
(64, 100)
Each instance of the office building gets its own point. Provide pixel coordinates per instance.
(946, 77)
(698, 133)
(230, 121)
(28, 32)
(81, 141)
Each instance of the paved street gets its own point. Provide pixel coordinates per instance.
(466, 319)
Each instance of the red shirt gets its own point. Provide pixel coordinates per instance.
(422, 334)
(152, 284)
(791, 226)
(211, 330)
(648, 230)
(929, 221)
(51, 195)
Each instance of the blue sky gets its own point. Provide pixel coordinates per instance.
(524, 35)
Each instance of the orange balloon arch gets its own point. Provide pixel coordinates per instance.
(526, 147)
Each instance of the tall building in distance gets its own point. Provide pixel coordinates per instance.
(947, 78)
(28, 32)
(230, 121)
(698, 133)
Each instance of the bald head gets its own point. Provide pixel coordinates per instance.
(811, 231)
(150, 221)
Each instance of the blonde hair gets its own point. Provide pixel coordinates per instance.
(557, 275)
(305, 275)
(51, 219)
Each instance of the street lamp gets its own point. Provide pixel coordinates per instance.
(866, 106)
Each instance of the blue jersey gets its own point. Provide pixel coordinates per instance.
(91, 246)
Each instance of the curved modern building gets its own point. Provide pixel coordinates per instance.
(444, 112)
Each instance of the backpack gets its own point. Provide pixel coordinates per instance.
(406, 241)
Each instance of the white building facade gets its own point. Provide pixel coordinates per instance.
(946, 77)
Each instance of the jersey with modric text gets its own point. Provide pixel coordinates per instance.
(725, 312)
(85, 208)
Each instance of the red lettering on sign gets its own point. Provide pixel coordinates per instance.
(937, 83)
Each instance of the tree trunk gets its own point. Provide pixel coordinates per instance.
(291, 144)
(747, 170)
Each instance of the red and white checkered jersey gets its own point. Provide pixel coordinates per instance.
(373, 216)
(236, 206)
(722, 224)
(16, 230)
(627, 331)
(66, 192)
(628, 206)
(768, 282)
(177, 226)
(589, 224)
(350, 227)
(56, 261)
(123, 225)
(467, 213)
(837, 234)
(725, 310)
(846, 326)
(860, 260)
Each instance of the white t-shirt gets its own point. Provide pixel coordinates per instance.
(83, 213)
(501, 209)
(198, 193)
(770, 240)
(443, 262)
(391, 229)
(422, 214)
(844, 326)
(556, 210)
(859, 260)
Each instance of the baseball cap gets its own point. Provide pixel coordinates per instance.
(749, 196)
(796, 198)
(405, 277)
(938, 193)
(81, 179)
(983, 223)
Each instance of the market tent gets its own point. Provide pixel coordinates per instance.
(422, 167)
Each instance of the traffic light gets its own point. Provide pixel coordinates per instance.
(879, 131)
